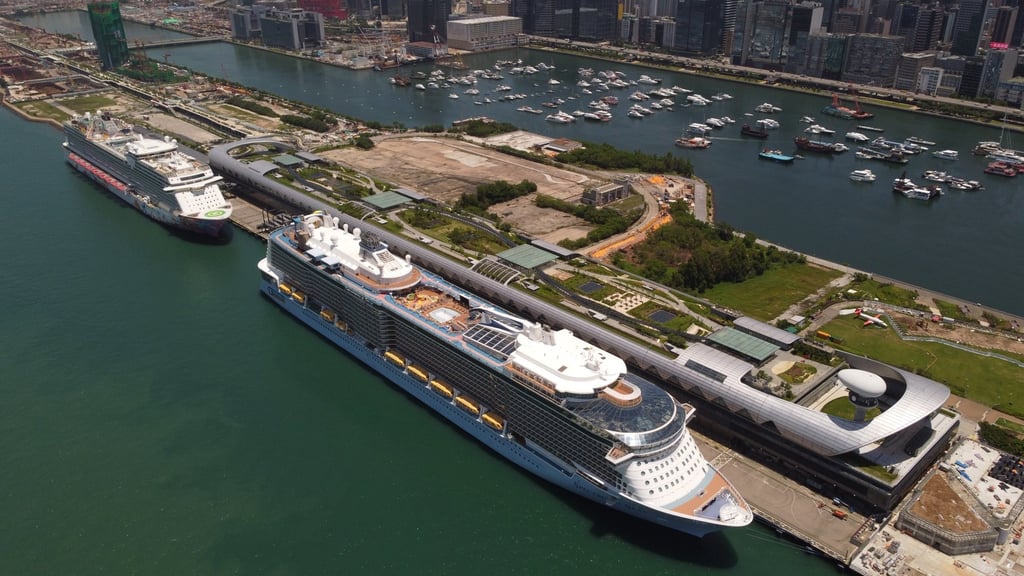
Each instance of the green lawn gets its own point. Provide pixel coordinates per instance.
(843, 408)
(986, 380)
(87, 103)
(870, 289)
(42, 109)
(770, 294)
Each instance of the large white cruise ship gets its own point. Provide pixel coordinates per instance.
(545, 399)
(151, 175)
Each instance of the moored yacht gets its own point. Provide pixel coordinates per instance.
(863, 175)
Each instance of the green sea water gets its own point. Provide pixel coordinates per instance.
(158, 416)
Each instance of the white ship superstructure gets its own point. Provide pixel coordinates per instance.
(545, 399)
(151, 174)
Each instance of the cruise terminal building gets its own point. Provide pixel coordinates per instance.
(871, 459)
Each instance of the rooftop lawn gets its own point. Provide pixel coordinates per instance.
(990, 381)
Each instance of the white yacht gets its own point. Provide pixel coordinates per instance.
(863, 175)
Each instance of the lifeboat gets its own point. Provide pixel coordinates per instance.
(418, 373)
(441, 388)
(285, 289)
(494, 421)
(327, 315)
(299, 297)
(395, 358)
(340, 324)
(467, 404)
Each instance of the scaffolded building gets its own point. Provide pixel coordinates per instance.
(108, 30)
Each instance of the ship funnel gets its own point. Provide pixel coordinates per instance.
(335, 220)
(408, 258)
(356, 232)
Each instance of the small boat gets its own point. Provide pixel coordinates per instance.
(767, 108)
(453, 96)
(871, 128)
(818, 146)
(693, 142)
(920, 141)
(727, 120)
(819, 129)
(698, 128)
(935, 176)
(1001, 169)
(961, 184)
(863, 175)
(856, 137)
(807, 120)
(419, 86)
(768, 123)
(758, 132)
(775, 156)
(493, 420)
(946, 154)
(909, 189)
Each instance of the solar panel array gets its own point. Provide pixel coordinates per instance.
(498, 343)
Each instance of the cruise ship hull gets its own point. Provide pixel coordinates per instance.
(212, 226)
(521, 452)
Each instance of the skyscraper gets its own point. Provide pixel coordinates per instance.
(108, 29)
(699, 27)
(967, 27)
(428, 20)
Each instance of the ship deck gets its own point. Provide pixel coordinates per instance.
(709, 499)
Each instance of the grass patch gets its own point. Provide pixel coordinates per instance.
(87, 103)
(843, 408)
(870, 289)
(680, 323)
(766, 296)
(598, 295)
(798, 373)
(979, 378)
(868, 467)
(949, 310)
(1010, 425)
(628, 204)
(45, 110)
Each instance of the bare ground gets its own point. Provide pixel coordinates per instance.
(915, 326)
(443, 169)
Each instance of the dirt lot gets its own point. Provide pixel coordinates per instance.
(444, 169)
(916, 326)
